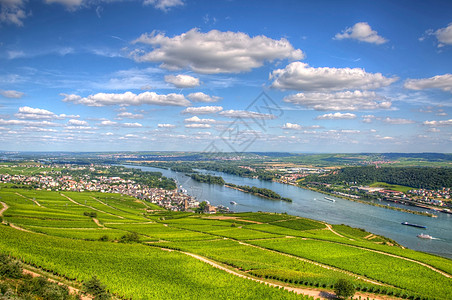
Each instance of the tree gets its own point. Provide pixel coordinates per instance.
(201, 208)
(10, 268)
(96, 288)
(344, 289)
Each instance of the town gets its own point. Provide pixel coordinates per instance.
(51, 180)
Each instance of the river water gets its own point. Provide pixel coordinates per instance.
(313, 205)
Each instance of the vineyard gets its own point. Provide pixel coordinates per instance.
(141, 251)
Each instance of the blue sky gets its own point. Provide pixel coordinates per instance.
(298, 76)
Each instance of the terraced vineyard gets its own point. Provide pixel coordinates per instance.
(139, 250)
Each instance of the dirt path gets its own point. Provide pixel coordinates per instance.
(34, 200)
(72, 289)
(338, 234)
(317, 294)
(314, 293)
(121, 217)
(90, 207)
(388, 254)
(317, 264)
(5, 207)
(407, 259)
(98, 223)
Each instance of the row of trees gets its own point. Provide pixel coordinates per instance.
(267, 193)
(208, 178)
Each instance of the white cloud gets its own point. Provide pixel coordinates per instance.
(246, 114)
(201, 97)
(202, 110)
(362, 32)
(182, 81)
(108, 123)
(132, 125)
(336, 116)
(444, 35)
(198, 126)
(30, 113)
(128, 98)
(12, 12)
(443, 82)
(75, 122)
(292, 126)
(11, 94)
(299, 76)
(28, 123)
(195, 119)
(356, 100)
(213, 52)
(129, 115)
(397, 121)
(368, 118)
(164, 5)
(439, 123)
(166, 126)
(384, 138)
(67, 3)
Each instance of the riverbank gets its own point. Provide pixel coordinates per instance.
(368, 202)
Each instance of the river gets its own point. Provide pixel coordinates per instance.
(313, 205)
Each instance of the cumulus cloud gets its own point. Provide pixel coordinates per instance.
(246, 114)
(128, 98)
(108, 123)
(12, 12)
(443, 82)
(182, 81)
(164, 5)
(129, 115)
(444, 35)
(196, 119)
(397, 121)
(30, 113)
(362, 32)
(300, 76)
(202, 110)
(439, 123)
(11, 94)
(198, 126)
(75, 122)
(336, 116)
(356, 100)
(213, 52)
(28, 123)
(166, 126)
(132, 125)
(201, 97)
(292, 126)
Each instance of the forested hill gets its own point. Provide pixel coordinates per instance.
(428, 178)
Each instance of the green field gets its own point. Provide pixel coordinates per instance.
(59, 236)
(394, 187)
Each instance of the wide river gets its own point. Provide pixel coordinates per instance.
(313, 205)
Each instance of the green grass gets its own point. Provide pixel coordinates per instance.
(133, 270)
(66, 243)
(394, 187)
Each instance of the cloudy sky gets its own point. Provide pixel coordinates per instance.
(299, 76)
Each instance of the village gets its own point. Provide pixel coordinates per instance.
(174, 200)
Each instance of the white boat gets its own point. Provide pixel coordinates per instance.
(424, 236)
(233, 202)
(330, 199)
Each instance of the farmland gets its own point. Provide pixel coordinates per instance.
(121, 240)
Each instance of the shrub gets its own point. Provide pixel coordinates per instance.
(344, 289)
